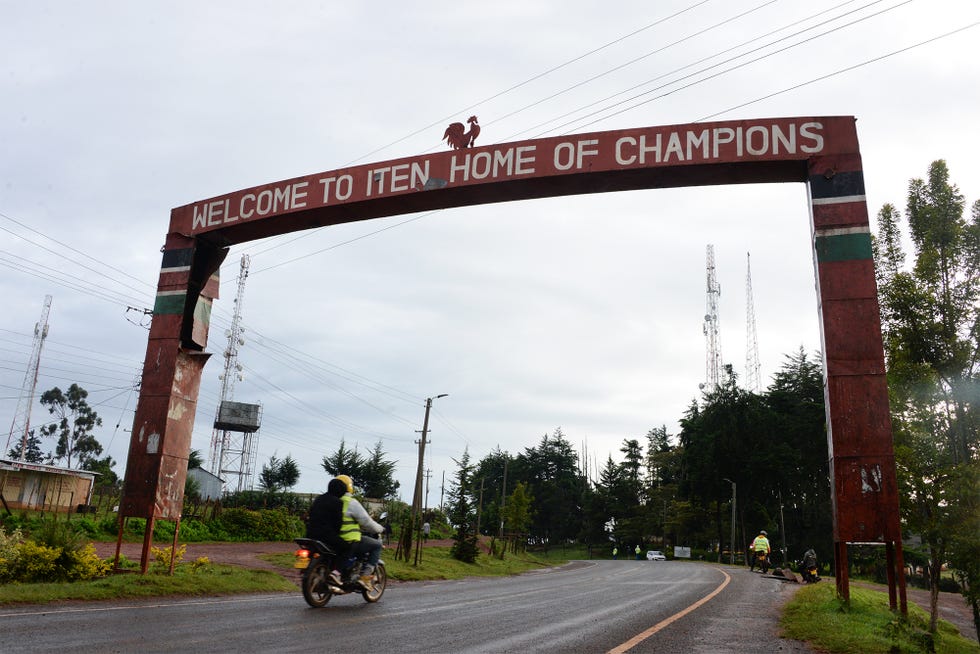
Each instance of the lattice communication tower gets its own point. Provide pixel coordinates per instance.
(753, 382)
(712, 328)
(21, 425)
(236, 425)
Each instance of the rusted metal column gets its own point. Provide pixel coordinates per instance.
(841, 570)
(161, 438)
(862, 460)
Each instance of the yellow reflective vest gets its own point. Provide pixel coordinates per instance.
(350, 531)
(760, 544)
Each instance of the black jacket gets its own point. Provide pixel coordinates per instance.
(326, 514)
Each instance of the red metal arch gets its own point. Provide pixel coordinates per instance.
(820, 151)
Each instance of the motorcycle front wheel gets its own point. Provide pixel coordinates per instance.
(315, 590)
(378, 587)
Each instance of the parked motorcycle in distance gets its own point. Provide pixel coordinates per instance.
(315, 559)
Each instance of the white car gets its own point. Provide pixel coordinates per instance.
(656, 555)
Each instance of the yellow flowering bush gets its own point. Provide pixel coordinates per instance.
(26, 561)
(84, 564)
(162, 554)
(33, 562)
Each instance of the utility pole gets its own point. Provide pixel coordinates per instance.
(479, 509)
(442, 489)
(405, 543)
(782, 525)
(503, 498)
(732, 552)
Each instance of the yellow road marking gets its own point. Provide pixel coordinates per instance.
(639, 638)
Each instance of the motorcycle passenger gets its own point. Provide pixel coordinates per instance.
(324, 524)
(355, 521)
(760, 544)
(809, 563)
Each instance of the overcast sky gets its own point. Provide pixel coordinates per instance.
(583, 313)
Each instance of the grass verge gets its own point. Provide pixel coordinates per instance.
(867, 625)
(186, 581)
(436, 563)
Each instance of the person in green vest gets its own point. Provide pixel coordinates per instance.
(637, 550)
(356, 520)
(615, 552)
(760, 544)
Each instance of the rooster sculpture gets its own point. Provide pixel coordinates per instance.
(457, 136)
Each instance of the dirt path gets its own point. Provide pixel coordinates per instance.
(245, 555)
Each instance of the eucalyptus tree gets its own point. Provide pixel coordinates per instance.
(930, 314)
(74, 425)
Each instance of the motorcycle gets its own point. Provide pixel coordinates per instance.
(762, 560)
(315, 561)
(808, 568)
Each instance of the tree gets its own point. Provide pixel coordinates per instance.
(772, 446)
(551, 473)
(103, 466)
(33, 452)
(279, 474)
(930, 315)
(195, 459)
(462, 513)
(74, 426)
(344, 462)
(518, 512)
(376, 476)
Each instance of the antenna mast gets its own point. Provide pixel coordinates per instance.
(233, 454)
(752, 376)
(712, 328)
(21, 425)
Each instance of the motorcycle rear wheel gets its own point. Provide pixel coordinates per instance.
(315, 590)
(378, 587)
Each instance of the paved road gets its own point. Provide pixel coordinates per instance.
(593, 606)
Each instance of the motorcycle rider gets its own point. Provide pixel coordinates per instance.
(760, 544)
(355, 525)
(809, 562)
(324, 524)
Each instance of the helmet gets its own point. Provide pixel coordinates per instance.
(763, 532)
(347, 482)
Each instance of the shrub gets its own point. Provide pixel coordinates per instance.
(247, 525)
(278, 524)
(163, 554)
(33, 562)
(202, 564)
(239, 524)
(194, 531)
(83, 564)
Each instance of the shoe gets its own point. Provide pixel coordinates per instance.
(366, 582)
(335, 578)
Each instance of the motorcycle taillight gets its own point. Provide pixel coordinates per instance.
(303, 553)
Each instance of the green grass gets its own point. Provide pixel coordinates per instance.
(212, 580)
(867, 625)
(436, 563)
